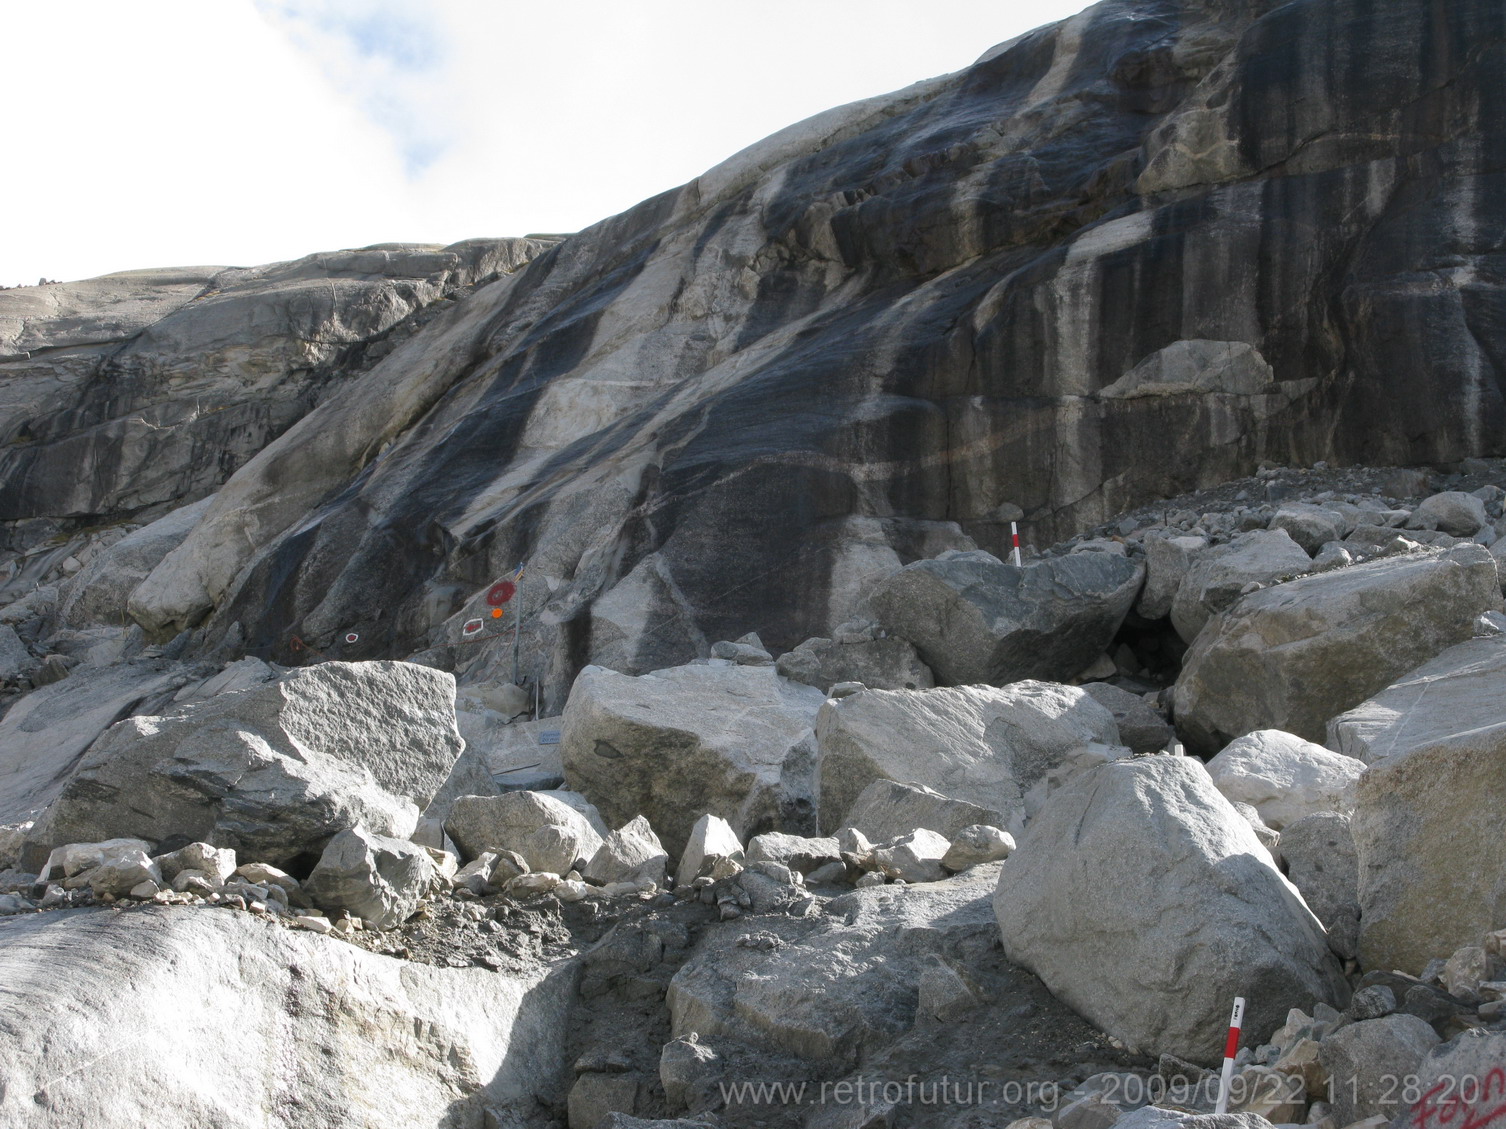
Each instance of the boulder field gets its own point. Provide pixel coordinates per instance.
(743, 873)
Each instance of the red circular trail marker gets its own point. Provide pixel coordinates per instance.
(500, 592)
(352, 638)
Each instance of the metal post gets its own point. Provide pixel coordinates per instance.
(517, 626)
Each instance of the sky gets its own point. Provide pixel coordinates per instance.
(236, 132)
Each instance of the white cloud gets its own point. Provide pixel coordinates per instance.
(246, 131)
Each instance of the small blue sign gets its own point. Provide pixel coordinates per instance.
(549, 737)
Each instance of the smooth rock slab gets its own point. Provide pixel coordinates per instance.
(99, 592)
(201, 1001)
(1146, 903)
(734, 741)
(1427, 825)
(985, 745)
(975, 619)
(1293, 656)
(271, 771)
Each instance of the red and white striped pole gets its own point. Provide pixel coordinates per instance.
(1231, 1048)
(1014, 531)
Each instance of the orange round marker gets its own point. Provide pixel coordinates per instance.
(496, 613)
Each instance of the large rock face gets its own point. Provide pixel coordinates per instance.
(735, 741)
(44, 735)
(242, 1024)
(986, 745)
(148, 386)
(1118, 257)
(1427, 825)
(98, 594)
(1296, 655)
(1144, 900)
(271, 771)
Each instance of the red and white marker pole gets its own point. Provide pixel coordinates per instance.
(1014, 531)
(1231, 1048)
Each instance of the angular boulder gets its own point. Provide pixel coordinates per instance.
(982, 744)
(203, 858)
(1460, 1083)
(798, 852)
(12, 839)
(1453, 512)
(887, 809)
(674, 744)
(882, 664)
(1318, 856)
(546, 832)
(1218, 575)
(16, 662)
(977, 844)
(1427, 824)
(975, 619)
(44, 735)
(272, 771)
(827, 994)
(121, 873)
(1141, 727)
(632, 853)
(1145, 902)
(711, 838)
(1167, 561)
(1368, 1061)
(1293, 656)
(72, 859)
(1283, 777)
(378, 879)
(913, 857)
(1310, 526)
